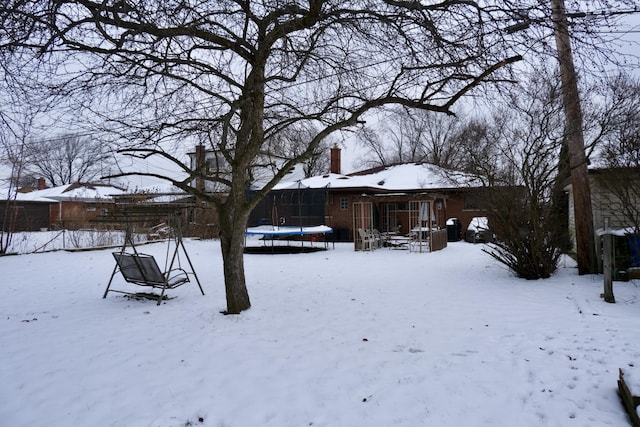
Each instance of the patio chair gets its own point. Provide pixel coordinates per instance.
(367, 241)
(378, 240)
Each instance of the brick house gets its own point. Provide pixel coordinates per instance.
(68, 206)
(388, 197)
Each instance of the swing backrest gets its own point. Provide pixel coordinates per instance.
(139, 268)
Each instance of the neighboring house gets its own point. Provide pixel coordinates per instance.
(615, 200)
(153, 206)
(94, 205)
(67, 206)
(24, 215)
(389, 199)
(211, 163)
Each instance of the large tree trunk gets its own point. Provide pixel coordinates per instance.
(232, 229)
(585, 239)
(234, 212)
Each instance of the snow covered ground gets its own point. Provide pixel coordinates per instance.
(336, 338)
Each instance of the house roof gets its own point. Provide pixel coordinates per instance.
(422, 176)
(397, 178)
(626, 172)
(77, 192)
(404, 177)
(159, 193)
(331, 180)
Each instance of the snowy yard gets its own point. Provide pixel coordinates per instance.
(336, 338)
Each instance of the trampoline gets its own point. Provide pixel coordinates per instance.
(281, 239)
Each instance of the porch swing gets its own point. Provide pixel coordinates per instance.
(143, 270)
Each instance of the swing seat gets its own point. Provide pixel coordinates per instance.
(143, 270)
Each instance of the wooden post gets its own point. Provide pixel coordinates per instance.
(608, 279)
(578, 162)
(607, 264)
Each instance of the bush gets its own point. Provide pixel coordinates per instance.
(527, 237)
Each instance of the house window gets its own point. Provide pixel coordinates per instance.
(344, 203)
(390, 221)
(91, 208)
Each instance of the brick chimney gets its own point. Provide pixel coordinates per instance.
(200, 161)
(42, 184)
(335, 159)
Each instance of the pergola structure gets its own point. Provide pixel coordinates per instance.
(417, 219)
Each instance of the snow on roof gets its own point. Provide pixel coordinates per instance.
(616, 231)
(83, 192)
(409, 176)
(422, 176)
(158, 188)
(168, 198)
(161, 192)
(331, 180)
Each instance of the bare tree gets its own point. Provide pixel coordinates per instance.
(478, 148)
(12, 153)
(440, 146)
(522, 213)
(620, 150)
(374, 141)
(405, 136)
(238, 72)
(67, 158)
(292, 142)
(16, 124)
(621, 140)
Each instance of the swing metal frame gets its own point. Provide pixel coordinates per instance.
(143, 270)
